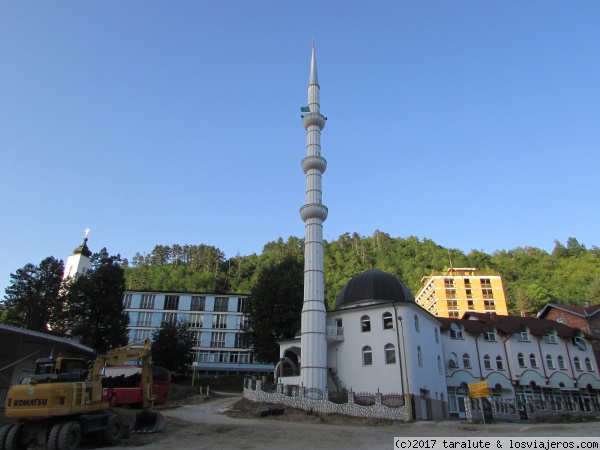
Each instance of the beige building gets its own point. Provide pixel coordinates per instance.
(460, 290)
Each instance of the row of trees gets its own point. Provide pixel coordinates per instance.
(88, 307)
(532, 277)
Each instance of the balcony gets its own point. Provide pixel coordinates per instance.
(334, 333)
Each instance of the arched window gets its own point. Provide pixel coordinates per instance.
(419, 355)
(453, 361)
(533, 361)
(466, 361)
(521, 360)
(437, 337)
(367, 356)
(588, 365)
(456, 331)
(416, 323)
(549, 362)
(577, 363)
(390, 354)
(499, 363)
(365, 324)
(487, 363)
(440, 365)
(561, 363)
(388, 321)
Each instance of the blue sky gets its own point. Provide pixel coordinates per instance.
(475, 124)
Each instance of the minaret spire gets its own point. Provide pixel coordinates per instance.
(313, 213)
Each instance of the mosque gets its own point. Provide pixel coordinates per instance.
(378, 339)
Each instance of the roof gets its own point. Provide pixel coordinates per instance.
(45, 336)
(477, 323)
(374, 286)
(581, 311)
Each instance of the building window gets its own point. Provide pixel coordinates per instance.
(448, 283)
(485, 282)
(416, 323)
(419, 356)
(489, 335)
(440, 365)
(220, 321)
(533, 361)
(549, 362)
(467, 282)
(365, 324)
(367, 356)
(171, 302)
(521, 360)
(499, 363)
(390, 354)
(241, 306)
(487, 293)
(127, 301)
(487, 363)
(577, 363)
(466, 361)
(560, 319)
(169, 318)
(144, 319)
(453, 361)
(221, 304)
(452, 305)
(561, 363)
(579, 343)
(147, 301)
(198, 303)
(240, 341)
(450, 293)
(140, 335)
(453, 314)
(455, 332)
(197, 338)
(489, 305)
(588, 365)
(524, 334)
(241, 322)
(470, 303)
(217, 339)
(388, 321)
(196, 320)
(437, 337)
(550, 338)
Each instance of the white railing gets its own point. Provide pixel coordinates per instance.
(334, 333)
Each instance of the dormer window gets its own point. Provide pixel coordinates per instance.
(456, 331)
(524, 334)
(490, 334)
(550, 338)
(578, 341)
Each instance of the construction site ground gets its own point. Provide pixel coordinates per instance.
(226, 421)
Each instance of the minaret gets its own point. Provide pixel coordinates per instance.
(79, 262)
(313, 213)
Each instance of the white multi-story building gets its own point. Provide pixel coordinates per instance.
(216, 321)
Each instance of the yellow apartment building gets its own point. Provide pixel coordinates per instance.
(460, 290)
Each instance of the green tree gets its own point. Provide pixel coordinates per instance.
(275, 308)
(94, 301)
(172, 346)
(32, 299)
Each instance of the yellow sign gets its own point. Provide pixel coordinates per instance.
(479, 385)
(480, 393)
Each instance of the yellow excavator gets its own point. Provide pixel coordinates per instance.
(62, 401)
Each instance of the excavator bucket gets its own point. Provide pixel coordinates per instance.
(147, 422)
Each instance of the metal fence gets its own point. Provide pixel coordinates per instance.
(392, 400)
(364, 399)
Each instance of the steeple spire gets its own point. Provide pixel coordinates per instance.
(313, 213)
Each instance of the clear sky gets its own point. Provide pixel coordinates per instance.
(475, 124)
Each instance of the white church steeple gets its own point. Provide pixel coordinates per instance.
(313, 213)
(79, 262)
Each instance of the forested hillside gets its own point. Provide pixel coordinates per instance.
(532, 277)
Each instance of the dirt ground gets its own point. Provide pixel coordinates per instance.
(230, 422)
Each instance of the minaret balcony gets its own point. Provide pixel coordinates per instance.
(313, 119)
(334, 333)
(314, 162)
(313, 211)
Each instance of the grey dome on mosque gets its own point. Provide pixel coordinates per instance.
(373, 286)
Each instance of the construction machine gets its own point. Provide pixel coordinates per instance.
(62, 401)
